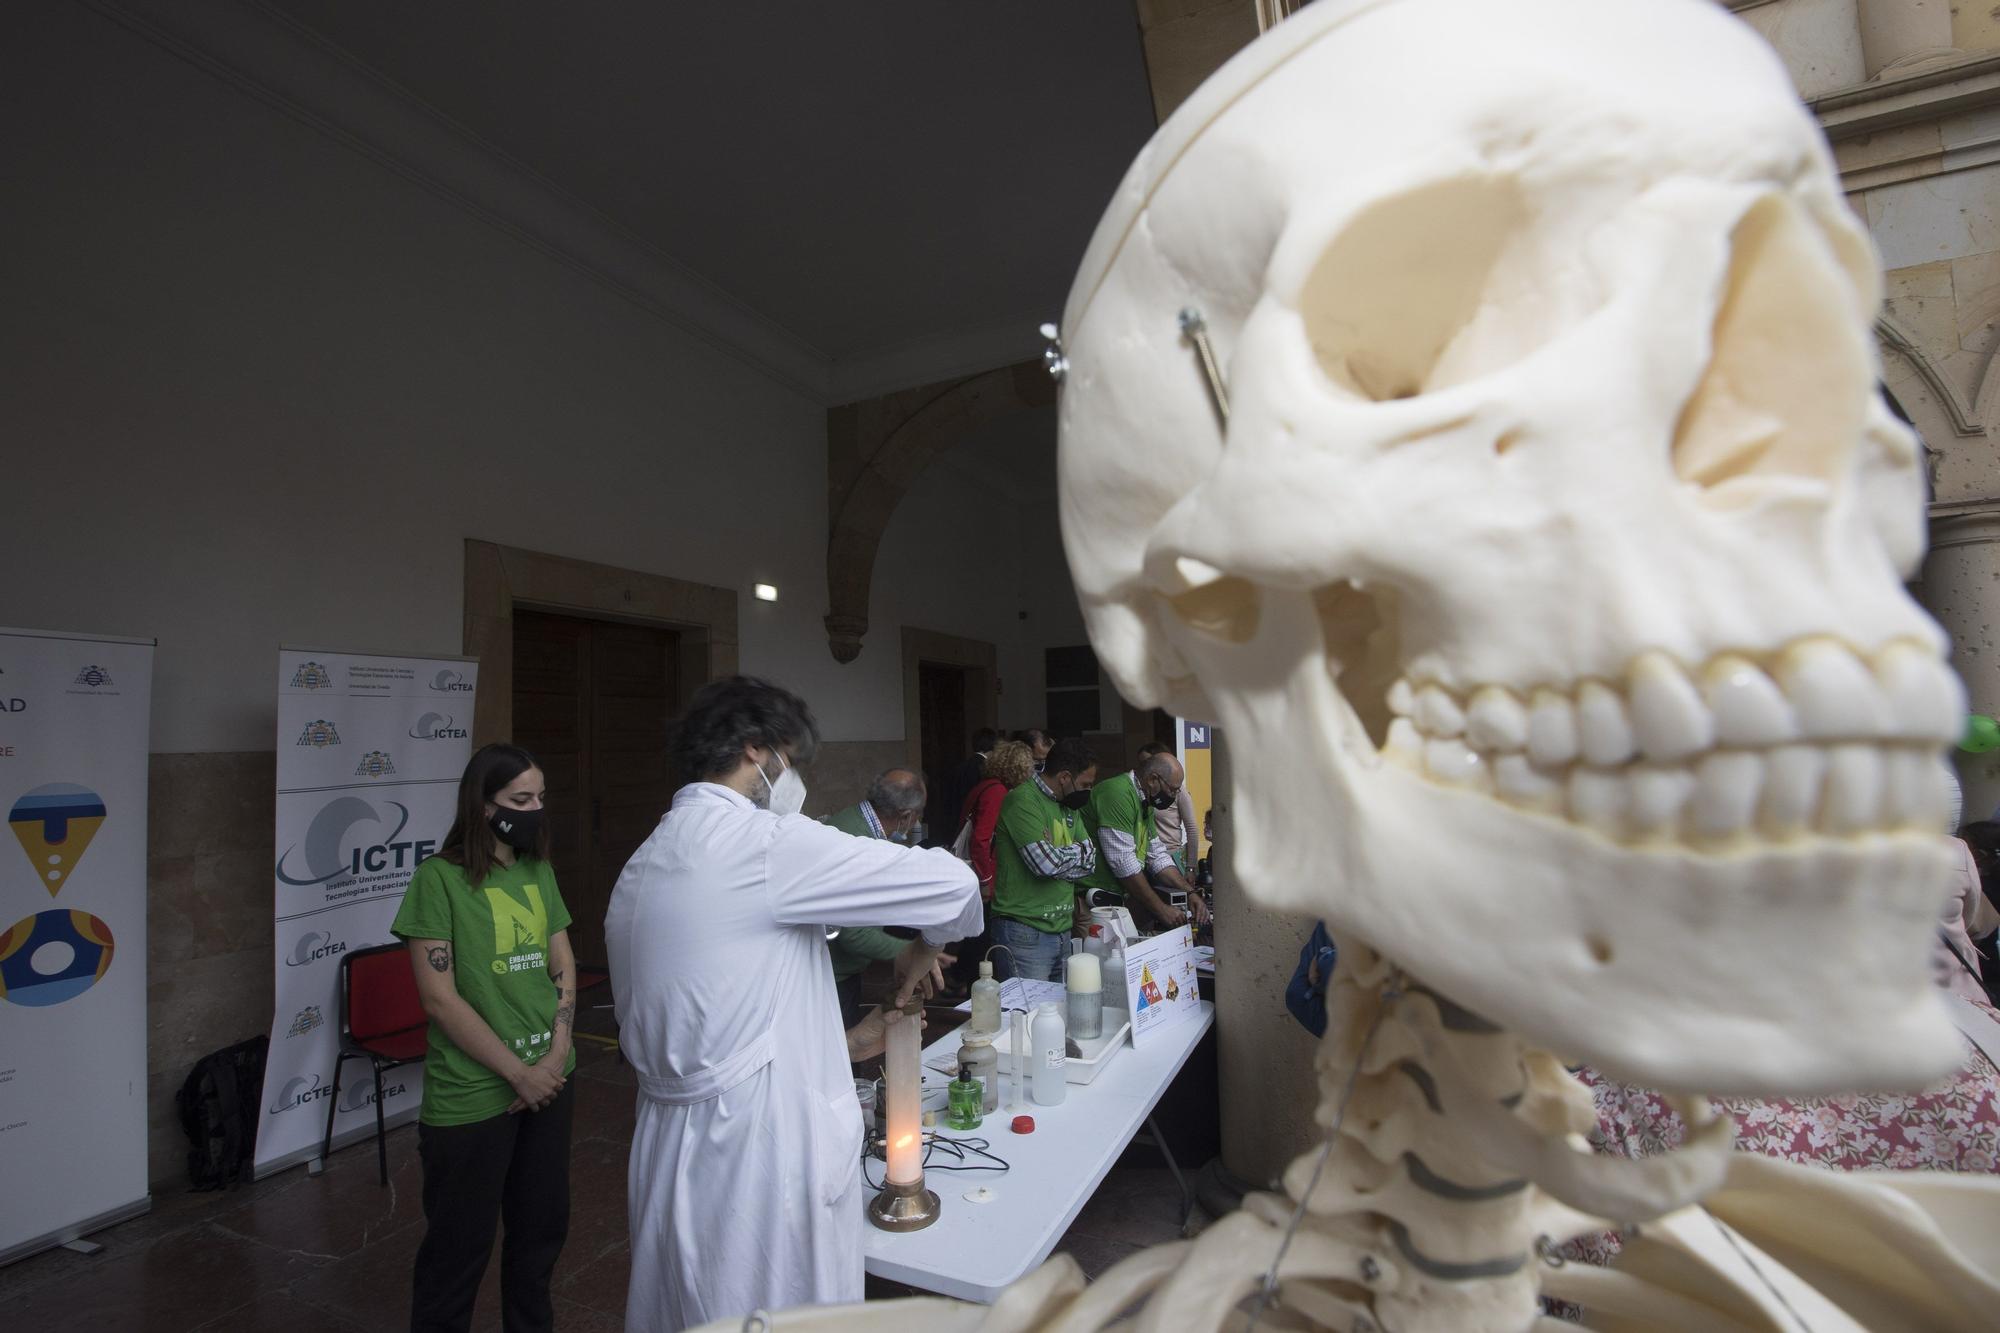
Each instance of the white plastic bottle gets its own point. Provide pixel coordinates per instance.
(1045, 1047)
(985, 1000)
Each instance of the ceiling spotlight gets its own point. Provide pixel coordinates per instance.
(766, 592)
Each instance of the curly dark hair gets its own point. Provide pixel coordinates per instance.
(726, 715)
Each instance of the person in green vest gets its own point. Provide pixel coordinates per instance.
(892, 809)
(1041, 851)
(1120, 820)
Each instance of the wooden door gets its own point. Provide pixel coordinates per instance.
(596, 701)
(946, 739)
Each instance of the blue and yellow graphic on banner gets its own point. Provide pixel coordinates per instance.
(54, 825)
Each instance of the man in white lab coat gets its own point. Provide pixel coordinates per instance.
(745, 1174)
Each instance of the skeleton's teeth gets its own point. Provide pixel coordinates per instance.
(1727, 785)
(1456, 764)
(1923, 695)
(1438, 714)
(1496, 720)
(1749, 707)
(1551, 730)
(1669, 720)
(1603, 730)
(1599, 799)
(1792, 778)
(1910, 796)
(1521, 783)
(1854, 783)
(1659, 793)
(1834, 696)
(1814, 740)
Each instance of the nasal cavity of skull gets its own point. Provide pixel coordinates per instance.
(1786, 390)
(1393, 305)
(1362, 629)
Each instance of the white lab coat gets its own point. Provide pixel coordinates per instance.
(745, 1178)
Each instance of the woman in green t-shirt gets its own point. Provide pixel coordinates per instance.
(488, 937)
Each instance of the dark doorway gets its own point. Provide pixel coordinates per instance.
(596, 702)
(946, 739)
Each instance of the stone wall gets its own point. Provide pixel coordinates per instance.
(210, 825)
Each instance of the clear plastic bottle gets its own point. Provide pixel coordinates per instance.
(985, 1000)
(1046, 1049)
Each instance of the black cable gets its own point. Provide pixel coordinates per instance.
(960, 1149)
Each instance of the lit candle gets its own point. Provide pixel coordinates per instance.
(902, 1086)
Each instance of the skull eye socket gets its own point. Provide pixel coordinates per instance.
(1786, 389)
(1226, 608)
(1399, 304)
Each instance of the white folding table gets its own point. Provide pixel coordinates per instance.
(975, 1250)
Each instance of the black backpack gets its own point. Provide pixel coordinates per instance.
(218, 1106)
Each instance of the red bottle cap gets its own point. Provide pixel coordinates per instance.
(1024, 1124)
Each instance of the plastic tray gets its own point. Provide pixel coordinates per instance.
(1098, 1052)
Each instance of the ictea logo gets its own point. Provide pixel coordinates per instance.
(332, 854)
(93, 677)
(450, 682)
(313, 946)
(299, 1091)
(438, 727)
(312, 676)
(361, 1096)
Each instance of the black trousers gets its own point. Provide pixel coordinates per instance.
(512, 1170)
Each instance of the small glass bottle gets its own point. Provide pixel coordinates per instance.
(976, 1053)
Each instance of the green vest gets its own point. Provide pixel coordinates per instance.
(857, 946)
(1028, 817)
(1116, 804)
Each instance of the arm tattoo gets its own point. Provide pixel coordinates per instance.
(566, 1015)
(439, 956)
(557, 978)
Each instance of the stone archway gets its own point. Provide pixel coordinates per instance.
(875, 449)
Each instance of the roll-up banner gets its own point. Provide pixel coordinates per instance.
(74, 711)
(370, 749)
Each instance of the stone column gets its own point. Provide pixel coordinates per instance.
(1264, 1058)
(1960, 585)
(1897, 35)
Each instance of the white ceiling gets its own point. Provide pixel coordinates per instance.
(871, 177)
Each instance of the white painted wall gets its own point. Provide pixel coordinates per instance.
(974, 544)
(257, 389)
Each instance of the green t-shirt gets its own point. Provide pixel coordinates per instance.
(499, 939)
(1028, 817)
(1116, 804)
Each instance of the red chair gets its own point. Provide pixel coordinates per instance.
(381, 1021)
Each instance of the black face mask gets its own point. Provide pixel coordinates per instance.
(1163, 800)
(1076, 800)
(519, 829)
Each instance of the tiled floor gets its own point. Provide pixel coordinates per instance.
(332, 1254)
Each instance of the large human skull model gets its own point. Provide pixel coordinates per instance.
(1545, 572)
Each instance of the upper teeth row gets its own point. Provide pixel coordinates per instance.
(1815, 690)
